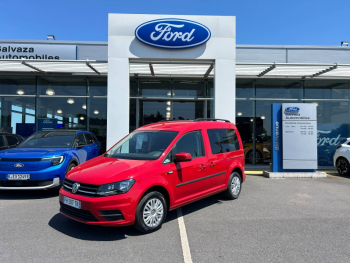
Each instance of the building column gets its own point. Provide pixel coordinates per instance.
(225, 89)
(118, 100)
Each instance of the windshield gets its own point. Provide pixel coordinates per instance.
(49, 140)
(142, 145)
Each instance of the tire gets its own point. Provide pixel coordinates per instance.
(343, 167)
(234, 186)
(249, 156)
(70, 167)
(146, 219)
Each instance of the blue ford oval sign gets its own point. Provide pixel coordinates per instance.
(172, 33)
(292, 110)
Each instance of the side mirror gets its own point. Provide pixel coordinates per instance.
(183, 157)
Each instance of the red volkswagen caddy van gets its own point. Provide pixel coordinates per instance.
(156, 168)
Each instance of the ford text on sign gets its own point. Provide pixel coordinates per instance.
(172, 33)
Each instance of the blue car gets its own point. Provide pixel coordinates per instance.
(42, 160)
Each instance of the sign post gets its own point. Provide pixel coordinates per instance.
(294, 140)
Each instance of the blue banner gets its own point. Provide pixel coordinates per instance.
(47, 124)
(329, 135)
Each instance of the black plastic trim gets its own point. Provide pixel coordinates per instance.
(200, 179)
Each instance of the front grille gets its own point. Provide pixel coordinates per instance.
(78, 213)
(25, 183)
(84, 189)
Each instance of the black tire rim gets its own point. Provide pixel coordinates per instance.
(342, 167)
(257, 157)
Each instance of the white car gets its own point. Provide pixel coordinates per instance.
(341, 158)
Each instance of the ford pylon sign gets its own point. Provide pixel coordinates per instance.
(172, 33)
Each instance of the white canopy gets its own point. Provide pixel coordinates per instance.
(178, 68)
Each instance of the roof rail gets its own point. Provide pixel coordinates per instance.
(210, 119)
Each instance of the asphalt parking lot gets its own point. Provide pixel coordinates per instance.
(274, 220)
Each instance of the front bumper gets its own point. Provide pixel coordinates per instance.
(42, 179)
(55, 183)
(92, 206)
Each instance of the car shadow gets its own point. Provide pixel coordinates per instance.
(27, 194)
(335, 174)
(82, 231)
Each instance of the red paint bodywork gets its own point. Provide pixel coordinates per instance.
(148, 174)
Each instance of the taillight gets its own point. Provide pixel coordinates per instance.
(338, 146)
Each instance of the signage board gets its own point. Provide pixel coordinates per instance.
(47, 124)
(38, 51)
(299, 135)
(172, 33)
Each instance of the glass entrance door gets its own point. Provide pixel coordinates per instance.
(151, 111)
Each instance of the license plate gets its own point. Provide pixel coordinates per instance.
(18, 177)
(71, 202)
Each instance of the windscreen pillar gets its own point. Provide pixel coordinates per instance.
(118, 100)
(225, 89)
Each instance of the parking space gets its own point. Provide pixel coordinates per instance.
(282, 220)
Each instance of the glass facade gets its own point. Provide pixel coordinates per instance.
(76, 103)
(154, 100)
(81, 103)
(253, 109)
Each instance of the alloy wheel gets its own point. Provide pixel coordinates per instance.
(235, 185)
(153, 212)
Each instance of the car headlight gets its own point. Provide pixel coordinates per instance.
(55, 160)
(115, 188)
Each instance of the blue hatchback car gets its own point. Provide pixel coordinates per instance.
(42, 160)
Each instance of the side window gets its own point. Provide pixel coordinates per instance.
(223, 140)
(12, 140)
(2, 141)
(191, 143)
(169, 158)
(89, 138)
(80, 139)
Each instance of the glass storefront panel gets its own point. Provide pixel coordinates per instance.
(98, 120)
(132, 116)
(69, 112)
(188, 110)
(279, 89)
(62, 86)
(188, 88)
(326, 90)
(244, 89)
(244, 124)
(97, 87)
(16, 112)
(154, 88)
(152, 111)
(16, 85)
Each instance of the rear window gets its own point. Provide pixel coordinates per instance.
(223, 140)
(12, 140)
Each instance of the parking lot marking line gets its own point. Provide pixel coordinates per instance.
(184, 240)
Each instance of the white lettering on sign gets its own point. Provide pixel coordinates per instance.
(277, 147)
(164, 29)
(327, 140)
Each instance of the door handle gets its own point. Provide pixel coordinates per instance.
(170, 172)
(211, 164)
(203, 166)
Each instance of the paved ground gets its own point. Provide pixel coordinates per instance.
(281, 220)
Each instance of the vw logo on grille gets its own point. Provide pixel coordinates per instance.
(75, 187)
(18, 165)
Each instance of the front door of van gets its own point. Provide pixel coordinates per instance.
(189, 177)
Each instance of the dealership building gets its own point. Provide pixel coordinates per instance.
(157, 67)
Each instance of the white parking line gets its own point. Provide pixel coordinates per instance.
(184, 240)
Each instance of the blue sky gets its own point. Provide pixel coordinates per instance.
(268, 22)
